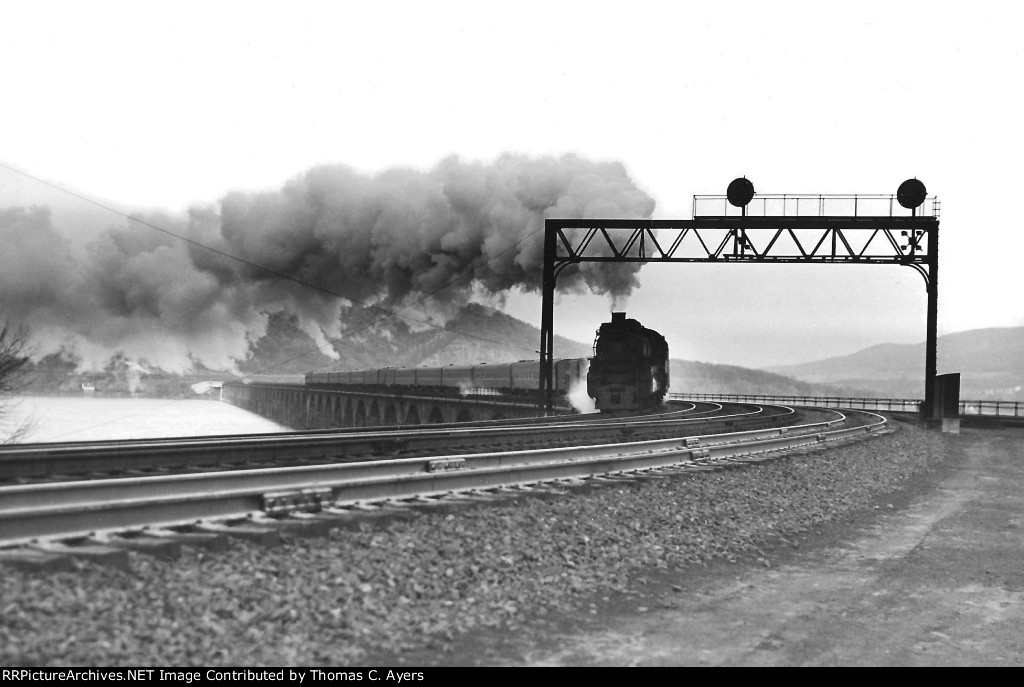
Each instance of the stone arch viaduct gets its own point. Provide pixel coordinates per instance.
(301, 407)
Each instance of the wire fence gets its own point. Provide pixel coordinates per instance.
(1000, 408)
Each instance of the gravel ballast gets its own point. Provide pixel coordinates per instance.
(415, 585)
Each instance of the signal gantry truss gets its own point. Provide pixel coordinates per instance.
(799, 238)
(902, 240)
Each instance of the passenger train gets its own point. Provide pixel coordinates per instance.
(628, 372)
(518, 377)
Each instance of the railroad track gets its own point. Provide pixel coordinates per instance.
(32, 463)
(87, 516)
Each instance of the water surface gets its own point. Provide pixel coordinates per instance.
(88, 418)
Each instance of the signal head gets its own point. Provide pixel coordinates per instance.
(740, 192)
(911, 194)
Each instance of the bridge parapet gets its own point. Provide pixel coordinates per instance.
(967, 408)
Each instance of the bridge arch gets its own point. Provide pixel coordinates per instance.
(360, 414)
(319, 418)
(391, 414)
(373, 418)
(464, 416)
(412, 417)
(436, 417)
(337, 419)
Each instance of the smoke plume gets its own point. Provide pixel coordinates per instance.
(382, 239)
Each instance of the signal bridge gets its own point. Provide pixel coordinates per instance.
(743, 227)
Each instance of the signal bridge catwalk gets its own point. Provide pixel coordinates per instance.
(901, 229)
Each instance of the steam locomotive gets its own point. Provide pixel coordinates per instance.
(629, 370)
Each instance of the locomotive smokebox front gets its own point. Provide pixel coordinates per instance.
(629, 370)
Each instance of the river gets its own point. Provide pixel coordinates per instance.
(89, 418)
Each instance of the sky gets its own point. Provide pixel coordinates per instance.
(166, 106)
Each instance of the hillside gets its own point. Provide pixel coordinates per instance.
(990, 363)
(705, 378)
(477, 334)
(377, 342)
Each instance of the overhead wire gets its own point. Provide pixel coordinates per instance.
(281, 275)
(387, 314)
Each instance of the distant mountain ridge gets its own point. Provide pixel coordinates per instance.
(990, 362)
(478, 334)
(689, 377)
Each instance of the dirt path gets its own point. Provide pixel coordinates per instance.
(936, 580)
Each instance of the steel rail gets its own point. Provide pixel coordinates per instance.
(91, 507)
(25, 461)
(594, 418)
